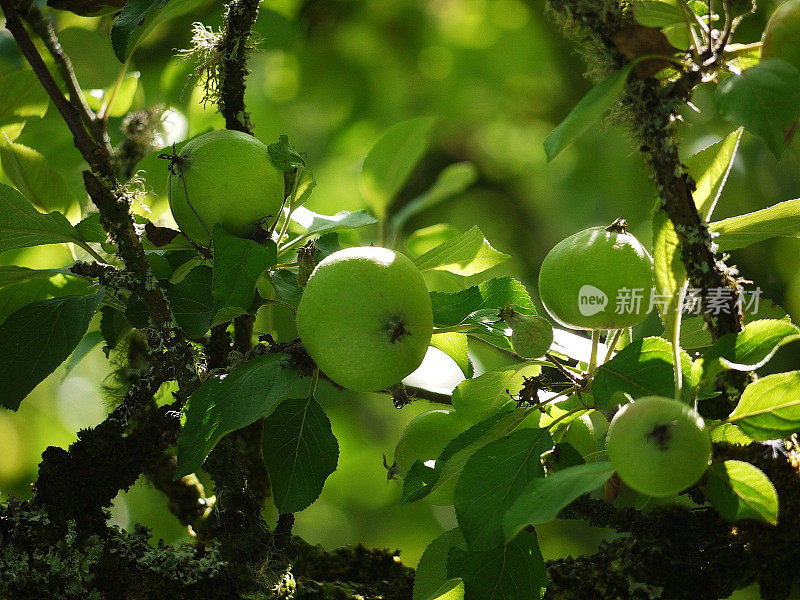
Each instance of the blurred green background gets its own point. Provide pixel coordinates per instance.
(332, 75)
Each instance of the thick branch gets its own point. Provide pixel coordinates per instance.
(239, 20)
(44, 560)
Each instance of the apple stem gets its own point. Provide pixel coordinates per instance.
(612, 345)
(313, 387)
(595, 345)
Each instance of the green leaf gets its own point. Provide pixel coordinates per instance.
(315, 223)
(113, 327)
(427, 238)
(304, 184)
(16, 292)
(739, 490)
(431, 573)
(748, 350)
(453, 180)
(12, 274)
(769, 407)
(695, 335)
(285, 283)
(91, 56)
(38, 337)
(492, 480)
(88, 343)
(642, 368)
(780, 220)
(238, 263)
(30, 172)
(192, 301)
(140, 17)
(22, 226)
(132, 16)
(225, 404)
(543, 499)
(479, 398)
(513, 571)
(455, 346)
(658, 14)
(466, 254)
(669, 273)
(442, 482)
(587, 112)
(714, 165)
(23, 96)
(494, 294)
(284, 156)
(452, 589)
(300, 452)
(765, 99)
(391, 160)
(121, 98)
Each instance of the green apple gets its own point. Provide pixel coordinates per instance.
(223, 177)
(659, 446)
(580, 435)
(782, 34)
(425, 437)
(531, 335)
(591, 280)
(365, 317)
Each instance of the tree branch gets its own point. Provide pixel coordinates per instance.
(240, 16)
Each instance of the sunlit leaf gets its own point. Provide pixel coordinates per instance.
(769, 407)
(455, 345)
(32, 175)
(669, 274)
(22, 226)
(467, 254)
(748, 350)
(780, 220)
(711, 167)
(739, 490)
(23, 96)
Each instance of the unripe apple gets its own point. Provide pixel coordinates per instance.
(592, 279)
(365, 317)
(223, 177)
(782, 34)
(531, 335)
(580, 434)
(659, 446)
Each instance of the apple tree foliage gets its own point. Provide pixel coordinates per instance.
(509, 469)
